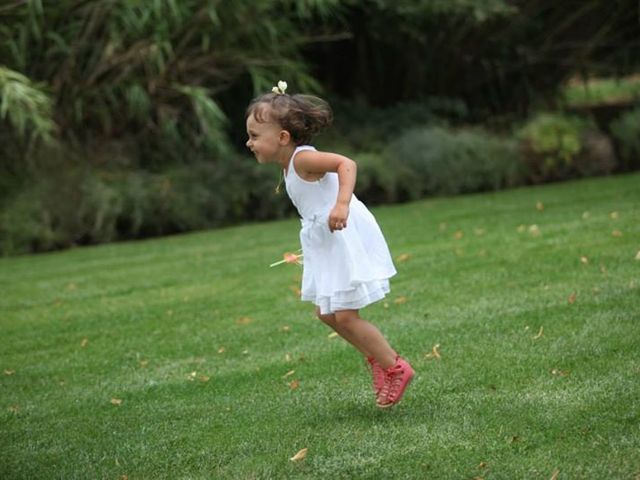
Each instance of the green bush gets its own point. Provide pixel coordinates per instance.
(554, 146)
(436, 161)
(626, 131)
(79, 205)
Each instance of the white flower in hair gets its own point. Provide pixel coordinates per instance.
(281, 88)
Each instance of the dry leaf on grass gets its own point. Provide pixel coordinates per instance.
(84, 342)
(572, 298)
(403, 257)
(289, 373)
(116, 401)
(434, 354)
(638, 255)
(400, 300)
(616, 233)
(554, 475)
(332, 335)
(244, 321)
(584, 260)
(293, 384)
(9, 372)
(539, 334)
(300, 455)
(559, 373)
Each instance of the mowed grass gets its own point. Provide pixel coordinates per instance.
(188, 357)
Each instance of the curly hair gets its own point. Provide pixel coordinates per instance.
(303, 116)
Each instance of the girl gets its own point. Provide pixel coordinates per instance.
(347, 264)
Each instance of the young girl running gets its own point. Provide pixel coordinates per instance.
(347, 264)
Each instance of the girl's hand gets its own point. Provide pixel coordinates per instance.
(338, 217)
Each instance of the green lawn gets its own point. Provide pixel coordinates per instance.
(172, 358)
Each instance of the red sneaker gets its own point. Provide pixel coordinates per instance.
(378, 374)
(395, 382)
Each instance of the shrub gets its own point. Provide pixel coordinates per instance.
(557, 147)
(435, 161)
(626, 131)
(79, 205)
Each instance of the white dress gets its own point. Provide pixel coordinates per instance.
(344, 270)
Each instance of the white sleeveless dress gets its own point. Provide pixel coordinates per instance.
(344, 270)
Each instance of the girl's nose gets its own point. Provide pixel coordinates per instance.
(248, 144)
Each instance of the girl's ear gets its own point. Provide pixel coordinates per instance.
(285, 137)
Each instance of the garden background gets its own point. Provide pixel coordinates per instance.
(124, 120)
(473, 124)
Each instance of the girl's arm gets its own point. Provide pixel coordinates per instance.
(312, 165)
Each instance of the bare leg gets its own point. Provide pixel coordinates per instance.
(330, 319)
(365, 337)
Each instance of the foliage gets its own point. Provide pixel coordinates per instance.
(443, 162)
(555, 146)
(602, 90)
(25, 106)
(153, 70)
(497, 56)
(626, 130)
(73, 204)
(176, 358)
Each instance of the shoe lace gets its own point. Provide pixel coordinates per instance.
(392, 383)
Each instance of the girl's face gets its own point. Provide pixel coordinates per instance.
(267, 140)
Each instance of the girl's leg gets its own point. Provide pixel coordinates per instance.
(330, 319)
(365, 336)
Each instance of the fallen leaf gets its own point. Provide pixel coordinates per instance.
(300, 455)
(332, 335)
(572, 298)
(521, 228)
(203, 378)
(14, 408)
(616, 233)
(584, 260)
(144, 363)
(289, 373)
(295, 290)
(222, 350)
(294, 384)
(400, 300)
(287, 358)
(285, 328)
(458, 235)
(534, 230)
(479, 232)
(560, 373)
(403, 258)
(614, 215)
(586, 215)
(71, 287)
(638, 255)
(84, 342)
(434, 354)
(514, 439)
(554, 475)
(116, 401)
(482, 465)
(539, 334)
(245, 352)
(540, 206)
(191, 376)
(9, 372)
(244, 321)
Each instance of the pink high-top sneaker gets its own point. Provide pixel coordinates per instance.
(396, 379)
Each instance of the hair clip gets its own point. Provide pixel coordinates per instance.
(281, 88)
